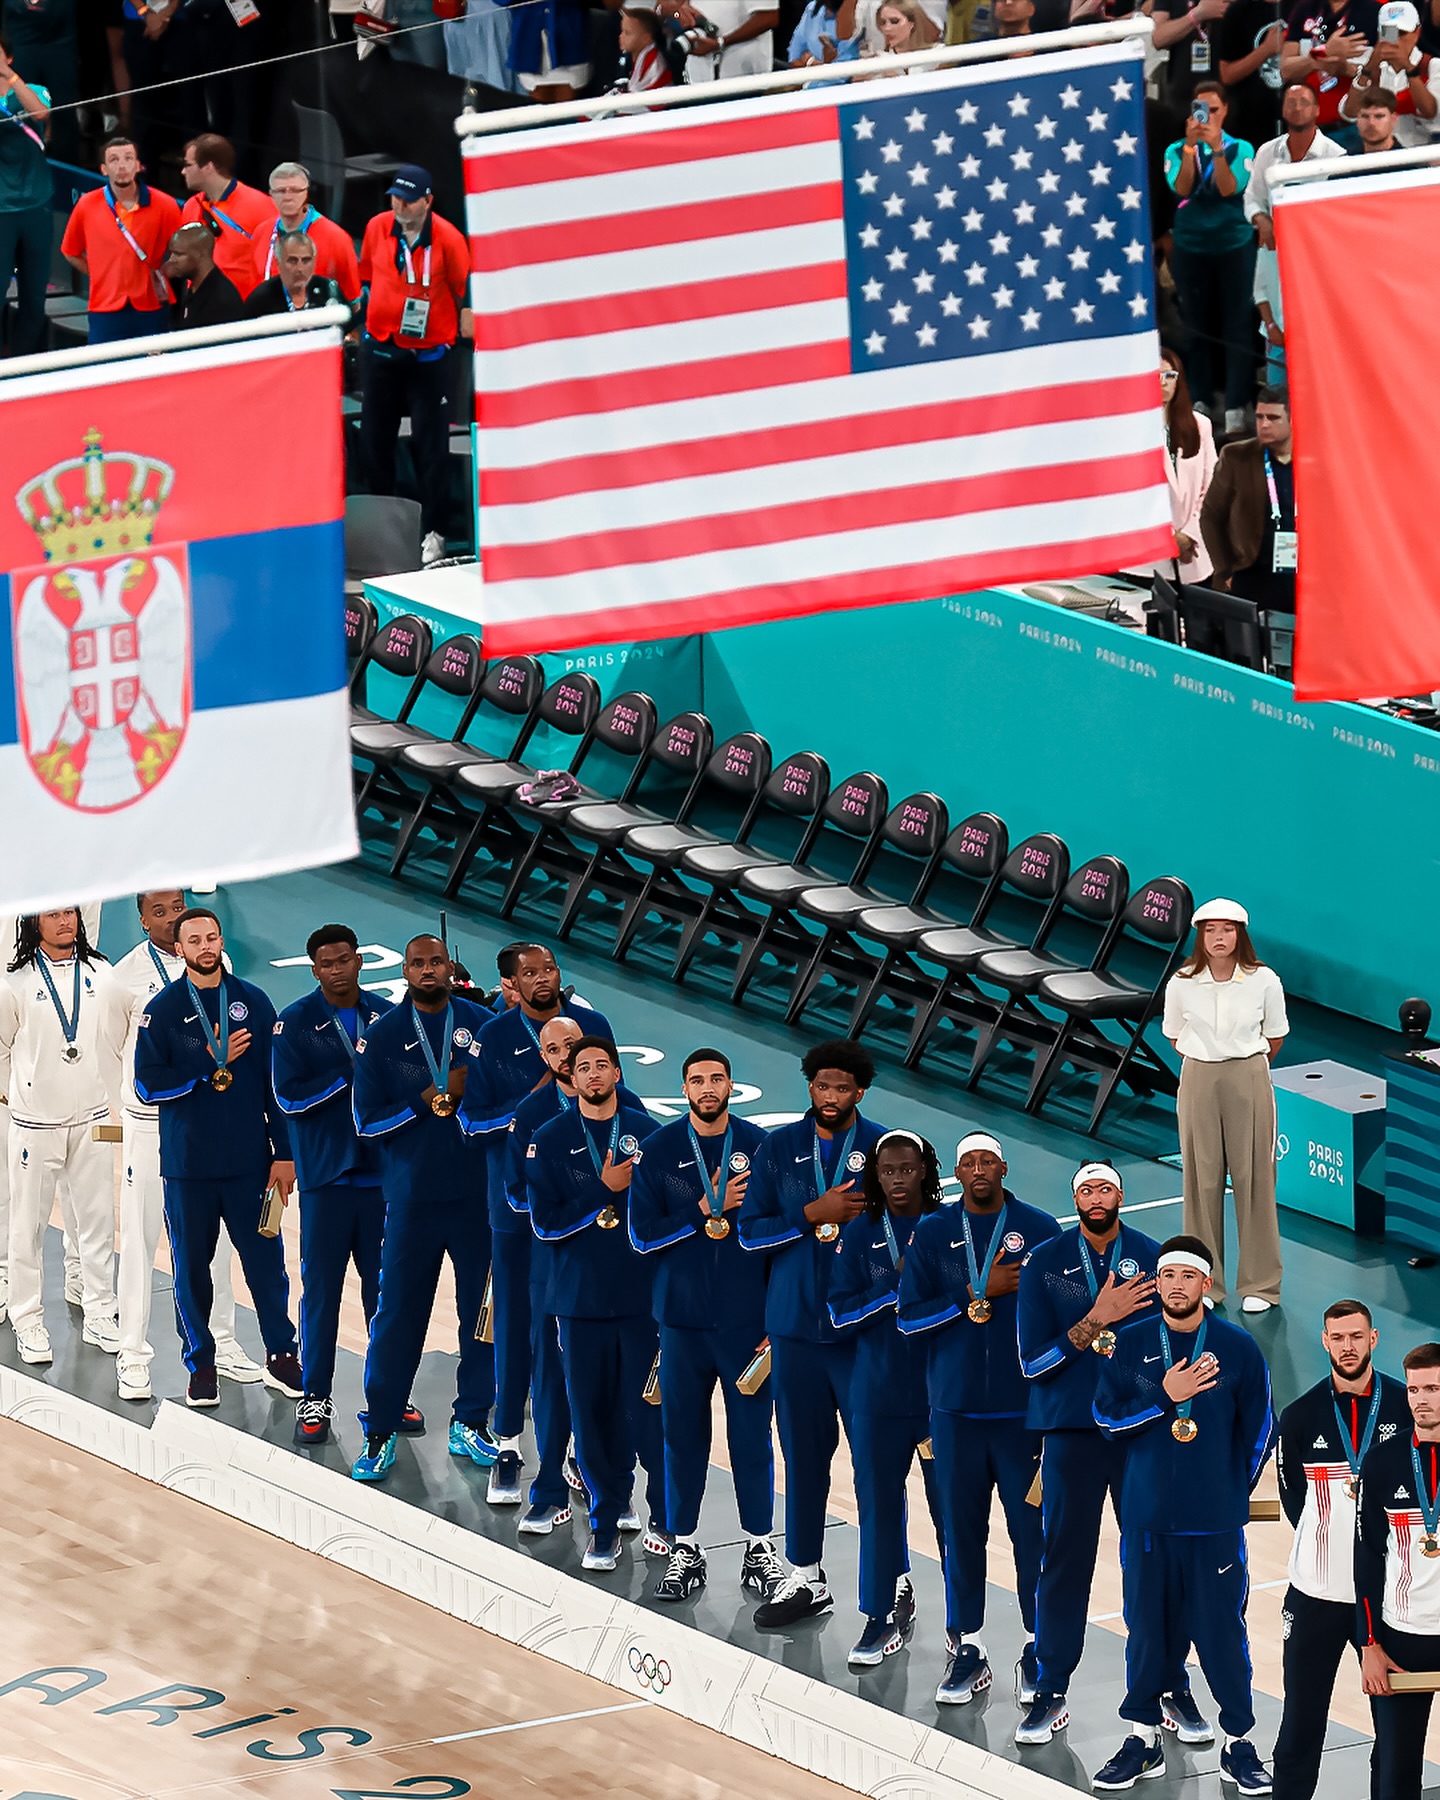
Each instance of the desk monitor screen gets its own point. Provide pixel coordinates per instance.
(1162, 611)
(1222, 625)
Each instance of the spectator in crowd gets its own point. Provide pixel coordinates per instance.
(1247, 42)
(1271, 307)
(549, 47)
(1014, 18)
(744, 43)
(238, 217)
(642, 48)
(1225, 1015)
(296, 286)
(1189, 465)
(828, 32)
(42, 39)
(118, 237)
(26, 219)
(1187, 32)
(334, 250)
(1248, 519)
(416, 266)
(156, 44)
(1397, 66)
(1301, 141)
(1213, 250)
(208, 296)
(1375, 120)
(905, 27)
(1326, 44)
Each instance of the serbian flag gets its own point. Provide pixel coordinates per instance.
(1368, 620)
(173, 698)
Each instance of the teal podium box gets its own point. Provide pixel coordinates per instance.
(1330, 1150)
(1412, 1154)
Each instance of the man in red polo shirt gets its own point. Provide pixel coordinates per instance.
(117, 237)
(416, 267)
(239, 216)
(334, 252)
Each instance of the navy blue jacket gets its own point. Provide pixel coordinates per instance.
(1203, 1486)
(974, 1369)
(782, 1185)
(701, 1283)
(594, 1274)
(890, 1377)
(424, 1160)
(312, 1070)
(1054, 1296)
(205, 1135)
(535, 1110)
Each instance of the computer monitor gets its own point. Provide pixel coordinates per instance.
(1162, 611)
(1223, 626)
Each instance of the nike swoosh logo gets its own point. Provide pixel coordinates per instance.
(879, 1246)
(955, 1243)
(414, 1046)
(521, 1051)
(579, 1152)
(1225, 1570)
(1149, 1359)
(685, 1165)
(802, 1159)
(190, 1018)
(1074, 1271)
(324, 1025)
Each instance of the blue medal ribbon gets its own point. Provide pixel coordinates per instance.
(1372, 1419)
(980, 1276)
(217, 1037)
(890, 1242)
(1091, 1280)
(595, 1157)
(714, 1191)
(840, 1160)
(69, 1023)
(439, 1071)
(360, 1021)
(1429, 1509)
(165, 976)
(1182, 1407)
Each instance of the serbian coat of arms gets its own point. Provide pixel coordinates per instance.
(102, 630)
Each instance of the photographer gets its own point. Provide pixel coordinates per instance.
(730, 38)
(1398, 67)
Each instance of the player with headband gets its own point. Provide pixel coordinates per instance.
(1189, 1396)
(1077, 1293)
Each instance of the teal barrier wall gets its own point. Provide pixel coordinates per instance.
(1320, 819)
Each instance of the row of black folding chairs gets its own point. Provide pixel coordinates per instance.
(767, 871)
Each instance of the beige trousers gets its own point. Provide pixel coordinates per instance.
(1227, 1125)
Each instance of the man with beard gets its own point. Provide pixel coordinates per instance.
(1324, 1438)
(960, 1284)
(805, 1183)
(409, 1082)
(144, 972)
(580, 1169)
(505, 1065)
(1076, 1292)
(202, 1057)
(1189, 1397)
(710, 1307)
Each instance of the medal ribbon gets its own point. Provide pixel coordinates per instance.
(439, 1071)
(1182, 1408)
(980, 1277)
(1091, 1281)
(820, 1182)
(361, 1021)
(714, 1190)
(1429, 1509)
(165, 976)
(1372, 1418)
(70, 1024)
(595, 1157)
(891, 1244)
(217, 1037)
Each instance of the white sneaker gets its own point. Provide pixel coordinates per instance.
(132, 1377)
(232, 1362)
(34, 1344)
(74, 1290)
(1252, 1303)
(103, 1333)
(432, 549)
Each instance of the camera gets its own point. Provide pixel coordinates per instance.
(701, 29)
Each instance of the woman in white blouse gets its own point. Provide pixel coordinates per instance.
(1225, 1015)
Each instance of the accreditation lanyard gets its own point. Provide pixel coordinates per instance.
(595, 1157)
(225, 219)
(714, 1191)
(1429, 1508)
(1274, 494)
(69, 1022)
(980, 1275)
(840, 1160)
(125, 231)
(1355, 1452)
(1182, 1408)
(217, 1037)
(439, 1069)
(410, 266)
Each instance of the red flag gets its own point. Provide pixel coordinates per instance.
(1357, 261)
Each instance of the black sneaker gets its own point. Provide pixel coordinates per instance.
(967, 1675)
(904, 1613)
(761, 1570)
(313, 1416)
(685, 1576)
(503, 1488)
(412, 1421)
(795, 1599)
(1180, 1714)
(1240, 1763)
(282, 1373)
(1047, 1714)
(574, 1480)
(203, 1389)
(1134, 1761)
(1027, 1676)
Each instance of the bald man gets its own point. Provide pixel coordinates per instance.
(208, 296)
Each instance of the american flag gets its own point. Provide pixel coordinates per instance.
(869, 344)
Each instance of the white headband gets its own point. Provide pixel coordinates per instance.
(1096, 1171)
(1183, 1259)
(911, 1137)
(979, 1140)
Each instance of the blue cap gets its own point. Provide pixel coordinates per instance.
(410, 182)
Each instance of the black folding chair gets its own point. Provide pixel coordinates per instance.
(1126, 994)
(450, 681)
(896, 869)
(400, 650)
(1085, 927)
(362, 622)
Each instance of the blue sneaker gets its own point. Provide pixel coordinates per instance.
(1134, 1761)
(473, 1441)
(1027, 1676)
(968, 1675)
(1240, 1763)
(1180, 1714)
(377, 1461)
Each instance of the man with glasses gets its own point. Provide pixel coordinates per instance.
(334, 251)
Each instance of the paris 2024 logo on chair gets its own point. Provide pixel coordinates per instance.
(102, 630)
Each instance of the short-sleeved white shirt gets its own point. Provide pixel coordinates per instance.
(754, 57)
(1222, 1021)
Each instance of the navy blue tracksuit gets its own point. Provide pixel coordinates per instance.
(215, 1154)
(505, 1066)
(1079, 1464)
(710, 1306)
(811, 1363)
(1185, 1507)
(978, 1400)
(342, 1207)
(549, 1407)
(600, 1290)
(889, 1408)
(434, 1182)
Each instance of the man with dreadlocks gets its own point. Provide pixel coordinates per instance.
(62, 1031)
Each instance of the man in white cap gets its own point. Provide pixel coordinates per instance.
(1077, 1292)
(959, 1284)
(1396, 66)
(1189, 1396)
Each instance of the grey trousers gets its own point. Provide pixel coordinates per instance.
(1227, 1125)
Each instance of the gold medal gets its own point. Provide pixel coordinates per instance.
(1184, 1431)
(1430, 1546)
(222, 1079)
(827, 1233)
(717, 1227)
(979, 1312)
(442, 1105)
(1103, 1343)
(608, 1218)
(1352, 1487)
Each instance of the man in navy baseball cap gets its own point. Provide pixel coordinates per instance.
(411, 182)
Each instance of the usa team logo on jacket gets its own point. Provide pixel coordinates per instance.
(101, 630)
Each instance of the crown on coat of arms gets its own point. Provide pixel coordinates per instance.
(96, 504)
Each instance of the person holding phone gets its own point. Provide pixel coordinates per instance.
(1327, 44)
(26, 219)
(827, 33)
(1397, 66)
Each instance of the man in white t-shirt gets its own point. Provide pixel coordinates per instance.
(744, 43)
